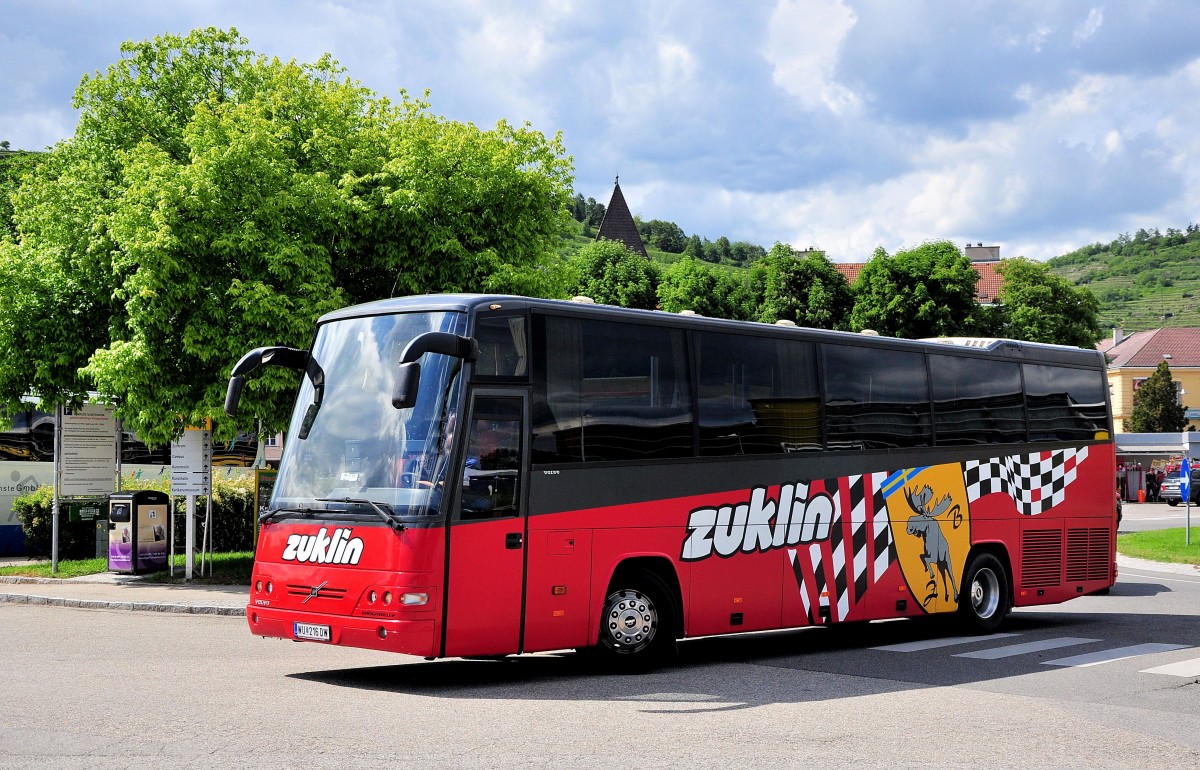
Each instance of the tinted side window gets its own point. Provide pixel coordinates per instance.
(756, 395)
(976, 401)
(502, 347)
(1065, 404)
(609, 391)
(875, 399)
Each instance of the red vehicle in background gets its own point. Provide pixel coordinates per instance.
(486, 475)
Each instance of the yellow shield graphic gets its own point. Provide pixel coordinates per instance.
(931, 524)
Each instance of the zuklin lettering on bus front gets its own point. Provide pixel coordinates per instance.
(322, 548)
(760, 524)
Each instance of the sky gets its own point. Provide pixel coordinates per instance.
(1038, 126)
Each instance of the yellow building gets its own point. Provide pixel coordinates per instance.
(1134, 357)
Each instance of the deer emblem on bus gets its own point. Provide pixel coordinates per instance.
(925, 525)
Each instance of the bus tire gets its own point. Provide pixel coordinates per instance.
(637, 622)
(985, 599)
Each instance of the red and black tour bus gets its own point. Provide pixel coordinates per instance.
(474, 475)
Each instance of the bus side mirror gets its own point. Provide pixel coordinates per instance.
(234, 394)
(408, 382)
(291, 358)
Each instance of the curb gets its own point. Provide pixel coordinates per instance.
(1131, 562)
(98, 604)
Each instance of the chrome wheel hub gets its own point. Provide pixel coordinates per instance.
(630, 621)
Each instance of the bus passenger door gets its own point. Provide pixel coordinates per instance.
(487, 531)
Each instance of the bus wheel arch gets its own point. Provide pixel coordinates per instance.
(987, 589)
(642, 598)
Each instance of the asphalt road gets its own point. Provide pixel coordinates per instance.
(1139, 517)
(89, 688)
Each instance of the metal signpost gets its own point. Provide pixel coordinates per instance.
(1185, 490)
(191, 475)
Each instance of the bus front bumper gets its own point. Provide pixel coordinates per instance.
(410, 636)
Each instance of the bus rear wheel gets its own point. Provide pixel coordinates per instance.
(985, 601)
(637, 622)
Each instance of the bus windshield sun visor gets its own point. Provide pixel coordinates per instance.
(408, 378)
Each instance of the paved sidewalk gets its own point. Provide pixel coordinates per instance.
(1155, 566)
(109, 591)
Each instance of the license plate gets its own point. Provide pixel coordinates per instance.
(312, 632)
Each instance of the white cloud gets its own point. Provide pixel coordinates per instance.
(1089, 27)
(840, 124)
(804, 38)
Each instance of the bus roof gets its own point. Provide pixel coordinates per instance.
(465, 303)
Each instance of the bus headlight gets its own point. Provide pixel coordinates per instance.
(413, 599)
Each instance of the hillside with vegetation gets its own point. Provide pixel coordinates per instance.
(1144, 281)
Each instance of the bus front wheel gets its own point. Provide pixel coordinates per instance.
(985, 600)
(636, 625)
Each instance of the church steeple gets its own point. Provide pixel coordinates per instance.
(618, 224)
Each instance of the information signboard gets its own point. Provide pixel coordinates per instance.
(89, 452)
(191, 462)
(86, 510)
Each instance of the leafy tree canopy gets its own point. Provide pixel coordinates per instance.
(692, 285)
(1039, 306)
(213, 200)
(1156, 407)
(14, 167)
(611, 274)
(806, 288)
(928, 291)
(662, 235)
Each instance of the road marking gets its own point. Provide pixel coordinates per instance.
(1185, 668)
(1107, 656)
(931, 644)
(1027, 647)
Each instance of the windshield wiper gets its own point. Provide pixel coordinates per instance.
(383, 509)
(264, 518)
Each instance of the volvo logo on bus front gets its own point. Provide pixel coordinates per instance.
(314, 592)
(323, 548)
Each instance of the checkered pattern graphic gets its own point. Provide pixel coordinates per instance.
(834, 575)
(1036, 482)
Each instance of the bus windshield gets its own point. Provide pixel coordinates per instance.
(358, 448)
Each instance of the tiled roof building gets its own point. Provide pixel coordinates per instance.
(1134, 357)
(618, 224)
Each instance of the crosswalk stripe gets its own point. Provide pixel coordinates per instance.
(1107, 656)
(945, 641)
(1010, 650)
(1186, 668)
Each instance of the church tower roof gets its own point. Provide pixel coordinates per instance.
(618, 224)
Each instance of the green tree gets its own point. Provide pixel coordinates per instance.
(1156, 407)
(928, 291)
(689, 284)
(14, 168)
(694, 247)
(611, 274)
(805, 288)
(720, 251)
(663, 235)
(213, 200)
(1039, 306)
(742, 252)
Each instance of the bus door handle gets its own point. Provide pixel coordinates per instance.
(513, 540)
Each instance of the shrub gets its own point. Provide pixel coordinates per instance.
(76, 540)
(232, 522)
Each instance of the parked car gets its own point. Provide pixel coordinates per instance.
(1170, 489)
